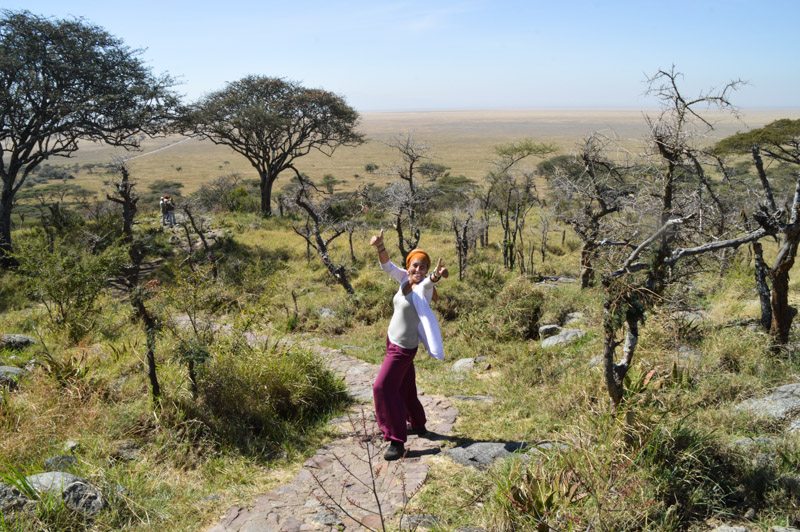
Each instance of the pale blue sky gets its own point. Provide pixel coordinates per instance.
(469, 54)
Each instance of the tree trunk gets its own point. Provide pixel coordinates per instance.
(6, 201)
(150, 327)
(782, 312)
(762, 271)
(192, 379)
(587, 266)
(266, 195)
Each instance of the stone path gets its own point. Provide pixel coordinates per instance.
(345, 470)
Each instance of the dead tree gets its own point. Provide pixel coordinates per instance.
(197, 226)
(319, 222)
(467, 231)
(632, 288)
(126, 196)
(587, 188)
(407, 198)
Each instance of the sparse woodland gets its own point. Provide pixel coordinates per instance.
(184, 341)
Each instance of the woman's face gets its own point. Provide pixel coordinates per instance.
(417, 270)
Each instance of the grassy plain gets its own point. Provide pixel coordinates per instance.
(462, 140)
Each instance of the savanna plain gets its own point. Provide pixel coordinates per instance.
(235, 420)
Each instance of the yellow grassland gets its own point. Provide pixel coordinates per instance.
(462, 140)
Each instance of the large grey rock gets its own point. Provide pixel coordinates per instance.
(546, 331)
(76, 492)
(482, 454)
(783, 529)
(464, 365)
(782, 404)
(12, 500)
(16, 341)
(726, 528)
(10, 375)
(566, 336)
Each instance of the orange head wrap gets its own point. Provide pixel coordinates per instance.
(415, 253)
(418, 253)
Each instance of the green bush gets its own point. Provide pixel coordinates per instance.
(67, 280)
(258, 398)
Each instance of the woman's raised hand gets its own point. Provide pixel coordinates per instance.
(377, 240)
(440, 271)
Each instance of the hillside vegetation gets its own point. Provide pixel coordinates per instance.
(230, 295)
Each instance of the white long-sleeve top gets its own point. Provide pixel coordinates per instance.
(428, 327)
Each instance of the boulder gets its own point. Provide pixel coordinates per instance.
(546, 331)
(12, 500)
(566, 336)
(464, 365)
(10, 375)
(16, 341)
(572, 318)
(76, 492)
(325, 312)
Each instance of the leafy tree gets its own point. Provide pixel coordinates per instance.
(272, 122)
(65, 80)
(514, 190)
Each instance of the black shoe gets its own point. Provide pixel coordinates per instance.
(395, 451)
(419, 431)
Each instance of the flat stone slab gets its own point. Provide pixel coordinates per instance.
(781, 404)
(565, 336)
(482, 454)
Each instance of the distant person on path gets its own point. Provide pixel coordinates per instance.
(162, 204)
(170, 205)
(413, 321)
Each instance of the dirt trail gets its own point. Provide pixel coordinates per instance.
(342, 467)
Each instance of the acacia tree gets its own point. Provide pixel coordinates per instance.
(272, 122)
(778, 141)
(62, 81)
(513, 190)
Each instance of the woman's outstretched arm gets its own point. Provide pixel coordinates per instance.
(377, 241)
